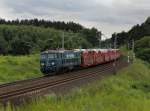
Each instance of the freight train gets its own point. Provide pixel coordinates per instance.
(55, 61)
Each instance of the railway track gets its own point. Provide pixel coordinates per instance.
(22, 82)
(33, 86)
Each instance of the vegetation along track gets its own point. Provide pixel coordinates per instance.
(37, 85)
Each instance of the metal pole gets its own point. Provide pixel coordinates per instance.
(99, 43)
(133, 54)
(63, 41)
(110, 46)
(99, 39)
(107, 42)
(115, 47)
(115, 42)
(128, 52)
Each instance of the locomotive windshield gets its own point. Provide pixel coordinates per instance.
(48, 56)
(43, 56)
(52, 56)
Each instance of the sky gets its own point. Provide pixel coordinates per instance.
(108, 16)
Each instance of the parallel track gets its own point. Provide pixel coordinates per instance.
(22, 88)
(21, 82)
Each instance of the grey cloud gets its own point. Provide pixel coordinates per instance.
(134, 10)
(62, 5)
(117, 13)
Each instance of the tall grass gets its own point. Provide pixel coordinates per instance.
(129, 90)
(14, 68)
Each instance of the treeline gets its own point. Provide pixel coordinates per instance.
(20, 37)
(69, 26)
(22, 40)
(91, 34)
(138, 33)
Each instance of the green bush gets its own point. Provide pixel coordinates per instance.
(18, 68)
(144, 54)
(142, 48)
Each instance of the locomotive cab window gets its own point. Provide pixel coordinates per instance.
(69, 56)
(52, 56)
(43, 56)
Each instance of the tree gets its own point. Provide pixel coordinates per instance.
(20, 47)
(48, 44)
(20, 37)
(142, 48)
(92, 36)
(3, 46)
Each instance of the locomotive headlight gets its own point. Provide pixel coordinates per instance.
(42, 64)
(53, 63)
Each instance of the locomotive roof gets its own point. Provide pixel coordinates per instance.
(58, 51)
(78, 50)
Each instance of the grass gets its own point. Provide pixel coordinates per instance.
(14, 68)
(129, 90)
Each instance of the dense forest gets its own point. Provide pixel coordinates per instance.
(137, 32)
(69, 26)
(141, 35)
(21, 37)
(143, 48)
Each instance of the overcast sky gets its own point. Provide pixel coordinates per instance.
(109, 16)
